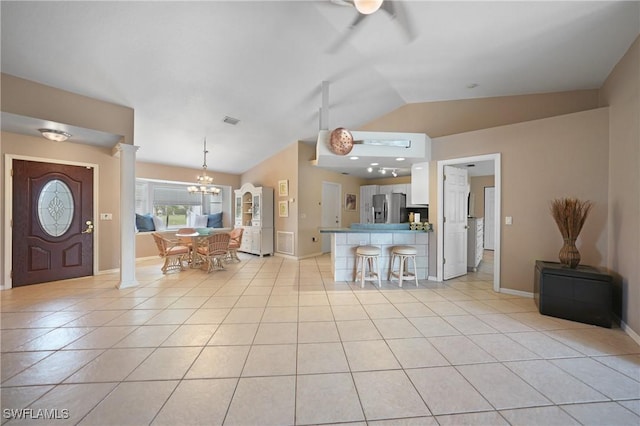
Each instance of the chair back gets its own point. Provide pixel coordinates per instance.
(217, 244)
(235, 237)
(161, 243)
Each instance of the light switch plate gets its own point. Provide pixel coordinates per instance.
(508, 220)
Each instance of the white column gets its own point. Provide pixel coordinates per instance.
(127, 154)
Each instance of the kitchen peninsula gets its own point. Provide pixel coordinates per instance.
(384, 235)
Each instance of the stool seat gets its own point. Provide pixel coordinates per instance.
(368, 250)
(368, 255)
(404, 254)
(405, 250)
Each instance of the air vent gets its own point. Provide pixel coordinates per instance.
(230, 120)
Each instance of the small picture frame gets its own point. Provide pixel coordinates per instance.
(283, 208)
(350, 202)
(283, 188)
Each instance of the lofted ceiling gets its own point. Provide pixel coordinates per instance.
(184, 66)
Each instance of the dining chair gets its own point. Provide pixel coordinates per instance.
(213, 251)
(235, 240)
(173, 252)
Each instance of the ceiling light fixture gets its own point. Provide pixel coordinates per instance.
(382, 171)
(374, 164)
(204, 181)
(367, 7)
(370, 169)
(353, 158)
(394, 173)
(400, 159)
(55, 135)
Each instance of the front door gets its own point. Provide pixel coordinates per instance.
(52, 222)
(456, 190)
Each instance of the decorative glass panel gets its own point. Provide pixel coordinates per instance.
(55, 208)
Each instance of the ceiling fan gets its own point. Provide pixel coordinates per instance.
(365, 8)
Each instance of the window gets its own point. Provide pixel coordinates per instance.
(173, 204)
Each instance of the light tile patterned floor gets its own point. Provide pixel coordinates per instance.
(276, 341)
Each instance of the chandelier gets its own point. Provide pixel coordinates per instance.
(204, 182)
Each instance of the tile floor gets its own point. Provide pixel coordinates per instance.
(276, 342)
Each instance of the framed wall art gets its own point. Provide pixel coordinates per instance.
(350, 202)
(283, 188)
(283, 208)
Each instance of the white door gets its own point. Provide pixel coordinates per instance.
(331, 194)
(456, 190)
(489, 217)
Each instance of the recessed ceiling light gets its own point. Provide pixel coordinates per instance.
(353, 158)
(369, 169)
(383, 171)
(400, 159)
(374, 164)
(55, 135)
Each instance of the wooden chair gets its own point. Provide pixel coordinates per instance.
(213, 251)
(173, 253)
(184, 236)
(235, 240)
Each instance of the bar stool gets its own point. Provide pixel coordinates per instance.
(403, 253)
(367, 254)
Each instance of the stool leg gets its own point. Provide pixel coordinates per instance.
(415, 270)
(362, 272)
(378, 272)
(401, 274)
(393, 256)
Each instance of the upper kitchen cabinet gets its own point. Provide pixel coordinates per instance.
(366, 202)
(420, 183)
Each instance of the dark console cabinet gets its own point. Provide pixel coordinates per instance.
(583, 294)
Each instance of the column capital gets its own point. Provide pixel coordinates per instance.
(123, 147)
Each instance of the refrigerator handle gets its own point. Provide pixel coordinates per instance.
(386, 212)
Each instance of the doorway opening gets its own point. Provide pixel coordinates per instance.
(493, 162)
(331, 211)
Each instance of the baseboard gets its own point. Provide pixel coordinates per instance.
(432, 278)
(307, 256)
(635, 336)
(516, 292)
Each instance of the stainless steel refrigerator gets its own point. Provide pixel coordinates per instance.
(389, 208)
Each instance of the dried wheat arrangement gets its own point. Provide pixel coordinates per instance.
(570, 215)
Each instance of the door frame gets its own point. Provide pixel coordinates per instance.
(497, 203)
(8, 209)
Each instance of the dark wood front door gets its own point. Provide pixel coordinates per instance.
(52, 222)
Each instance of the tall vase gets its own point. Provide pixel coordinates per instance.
(569, 254)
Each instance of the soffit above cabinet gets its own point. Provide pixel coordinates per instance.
(419, 150)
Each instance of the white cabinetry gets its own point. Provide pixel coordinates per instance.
(419, 183)
(475, 248)
(366, 202)
(254, 213)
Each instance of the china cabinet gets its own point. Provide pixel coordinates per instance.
(254, 213)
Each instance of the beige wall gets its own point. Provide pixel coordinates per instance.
(310, 197)
(107, 232)
(451, 117)
(621, 92)
(478, 183)
(281, 166)
(567, 155)
(31, 99)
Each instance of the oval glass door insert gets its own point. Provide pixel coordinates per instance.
(55, 207)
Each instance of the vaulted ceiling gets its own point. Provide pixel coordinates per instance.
(184, 66)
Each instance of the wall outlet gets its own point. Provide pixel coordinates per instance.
(106, 216)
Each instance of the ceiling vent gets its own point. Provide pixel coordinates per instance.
(230, 120)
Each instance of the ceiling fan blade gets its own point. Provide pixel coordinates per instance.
(397, 12)
(346, 34)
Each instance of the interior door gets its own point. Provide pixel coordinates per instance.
(331, 193)
(456, 189)
(489, 217)
(52, 234)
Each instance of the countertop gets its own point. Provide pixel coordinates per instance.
(369, 228)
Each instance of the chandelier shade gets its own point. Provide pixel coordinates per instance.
(204, 182)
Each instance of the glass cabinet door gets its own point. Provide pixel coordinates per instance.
(238, 211)
(256, 208)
